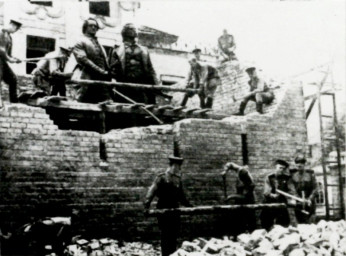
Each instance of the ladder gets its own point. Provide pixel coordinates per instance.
(334, 140)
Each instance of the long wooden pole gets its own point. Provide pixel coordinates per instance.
(215, 208)
(132, 85)
(41, 58)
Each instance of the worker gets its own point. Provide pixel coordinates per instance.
(227, 46)
(305, 184)
(167, 187)
(130, 63)
(259, 92)
(92, 65)
(282, 180)
(245, 219)
(49, 75)
(6, 73)
(206, 79)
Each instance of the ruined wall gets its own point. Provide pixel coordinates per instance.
(47, 171)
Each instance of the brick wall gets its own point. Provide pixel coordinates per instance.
(55, 170)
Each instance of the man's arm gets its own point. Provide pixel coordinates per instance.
(83, 60)
(152, 72)
(151, 193)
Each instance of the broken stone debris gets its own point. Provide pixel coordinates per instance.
(110, 247)
(326, 238)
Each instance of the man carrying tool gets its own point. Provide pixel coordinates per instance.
(305, 184)
(259, 92)
(206, 79)
(245, 218)
(227, 46)
(168, 188)
(92, 65)
(49, 74)
(6, 73)
(279, 180)
(130, 63)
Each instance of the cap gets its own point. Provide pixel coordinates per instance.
(282, 162)
(250, 69)
(175, 159)
(16, 22)
(300, 159)
(65, 47)
(196, 50)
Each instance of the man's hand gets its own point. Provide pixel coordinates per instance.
(274, 196)
(308, 202)
(223, 173)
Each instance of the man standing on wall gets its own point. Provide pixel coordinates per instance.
(6, 73)
(280, 179)
(245, 218)
(227, 46)
(92, 65)
(131, 63)
(305, 184)
(259, 92)
(167, 187)
(206, 79)
(49, 74)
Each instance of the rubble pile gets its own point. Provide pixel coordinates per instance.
(322, 239)
(110, 247)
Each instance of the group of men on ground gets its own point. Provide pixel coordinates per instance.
(298, 182)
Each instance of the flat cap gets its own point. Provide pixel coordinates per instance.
(250, 69)
(16, 22)
(282, 162)
(300, 159)
(175, 159)
(196, 50)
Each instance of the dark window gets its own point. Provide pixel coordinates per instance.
(319, 199)
(45, 3)
(37, 47)
(99, 8)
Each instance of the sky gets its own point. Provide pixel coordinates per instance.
(284, 38)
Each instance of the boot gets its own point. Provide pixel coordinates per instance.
(259, 107)
(241, 109)
(209, 103)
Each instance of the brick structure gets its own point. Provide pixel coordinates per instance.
(55, 170)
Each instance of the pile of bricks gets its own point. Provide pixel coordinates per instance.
(110, 247)
(325, 238)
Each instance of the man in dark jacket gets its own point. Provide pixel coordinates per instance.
(244, 219)
(259, 92)
(280, 179)
(167, 187)
(305, 183)
(227, 46)
(92, 64)
(131, 63)
(6, 73)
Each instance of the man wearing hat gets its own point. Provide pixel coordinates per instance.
(206, 79)
(167, 187)
(305, 184)
(6, 73)
(282, 180)
(49, 75)
(259, 92)
(227, 46)
(245, 219)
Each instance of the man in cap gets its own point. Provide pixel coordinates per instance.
(49, 75)
(206, 79)
(92, 65)
(227, 46)
(305, 184)
(130, 63)
(167, 187)
(259, 92)
(6, 73)
(280, 179)
(245, 219)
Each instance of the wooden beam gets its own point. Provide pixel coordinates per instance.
(213, 209)
(133, 85)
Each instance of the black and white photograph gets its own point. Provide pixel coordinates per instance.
(172, 128)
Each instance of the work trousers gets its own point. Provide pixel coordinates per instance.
(8, 76)
(169, 225)
(259, 98)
